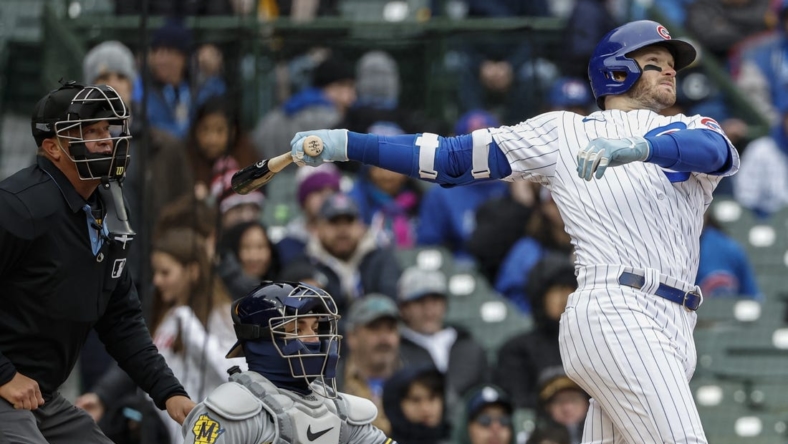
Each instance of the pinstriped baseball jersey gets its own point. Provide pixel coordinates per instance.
(658, 214)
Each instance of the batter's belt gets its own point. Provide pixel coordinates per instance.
(647, 280)
(689, 299)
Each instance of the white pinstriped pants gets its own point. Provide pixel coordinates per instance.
(633, 352)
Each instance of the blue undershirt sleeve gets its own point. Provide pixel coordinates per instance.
(453, 157)
(695, 150)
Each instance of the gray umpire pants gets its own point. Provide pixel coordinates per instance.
(55, 422)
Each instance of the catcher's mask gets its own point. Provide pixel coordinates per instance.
(266, 324)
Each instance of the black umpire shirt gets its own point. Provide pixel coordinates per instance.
(54, 288)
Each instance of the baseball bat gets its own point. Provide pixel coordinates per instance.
(256, 175)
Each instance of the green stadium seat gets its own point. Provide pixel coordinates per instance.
(524, 421)
(735, 426)
(715, 311)
(385, 10)
(490, 317)
(432, 258)
(770, 396)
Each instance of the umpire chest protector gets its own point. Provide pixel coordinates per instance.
(299, 419)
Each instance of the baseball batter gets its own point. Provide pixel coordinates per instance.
(632, 187)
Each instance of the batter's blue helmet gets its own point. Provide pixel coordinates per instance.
(611, 56)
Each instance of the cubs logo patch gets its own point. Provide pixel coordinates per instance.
(663, 32)
(711, 124)
(206, 430)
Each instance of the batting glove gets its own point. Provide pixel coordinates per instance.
(334, 147)
(602, 153)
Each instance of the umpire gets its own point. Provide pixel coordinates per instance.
(63, 244)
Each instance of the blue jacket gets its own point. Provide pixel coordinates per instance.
(447, 215)
(515, 268)
(724, 269)
(166, 101)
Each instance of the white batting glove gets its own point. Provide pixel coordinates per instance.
(334, 147)
(602, 153)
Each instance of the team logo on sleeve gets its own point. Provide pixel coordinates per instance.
(711, 124)
(206, 430)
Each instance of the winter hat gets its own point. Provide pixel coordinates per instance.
(378, 81)
(172, 35)
(107, 58)
(314, 179)
(331, 70)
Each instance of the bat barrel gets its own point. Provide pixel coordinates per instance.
(251, 177)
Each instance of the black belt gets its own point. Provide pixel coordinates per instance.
(690, 299)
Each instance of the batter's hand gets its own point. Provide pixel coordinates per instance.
(22, 392)
(334, 147)
(602, 153)
(179, 407)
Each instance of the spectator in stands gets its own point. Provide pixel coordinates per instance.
(545, 234)
(236, 208)
(499, 73)
(562, 404)
(763, 73)
(724, 269)
(248, 245)
(216, 145)
(426, 339)
(570, 94)
(500, 223)
(762, 182)
(377, 108)
(314, 186)
(194, 214)
(488, 415)
(389, 205)
(322, 106)
(191, 322)
(372, 338)
(414, 402)
(304, 272)
(191, 313)
(718, 25)
(447, 215)
(589, 21)
(527, 355)
(175, 94)
(346, 253)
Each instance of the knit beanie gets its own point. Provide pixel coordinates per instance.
(378, 81)
(107, 58)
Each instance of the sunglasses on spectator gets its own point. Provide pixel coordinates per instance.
(487, 420)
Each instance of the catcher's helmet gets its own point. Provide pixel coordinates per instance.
(67, 111)
(261, 318)
(611, 56)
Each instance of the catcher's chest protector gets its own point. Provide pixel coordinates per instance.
(309, 419)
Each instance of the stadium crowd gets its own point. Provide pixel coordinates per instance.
(433, 382)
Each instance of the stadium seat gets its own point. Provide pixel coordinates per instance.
(736, 426)
(432, 258)
(385, 10)
(524, 421)
(770, 396)
(716, 311)
(489, 317)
